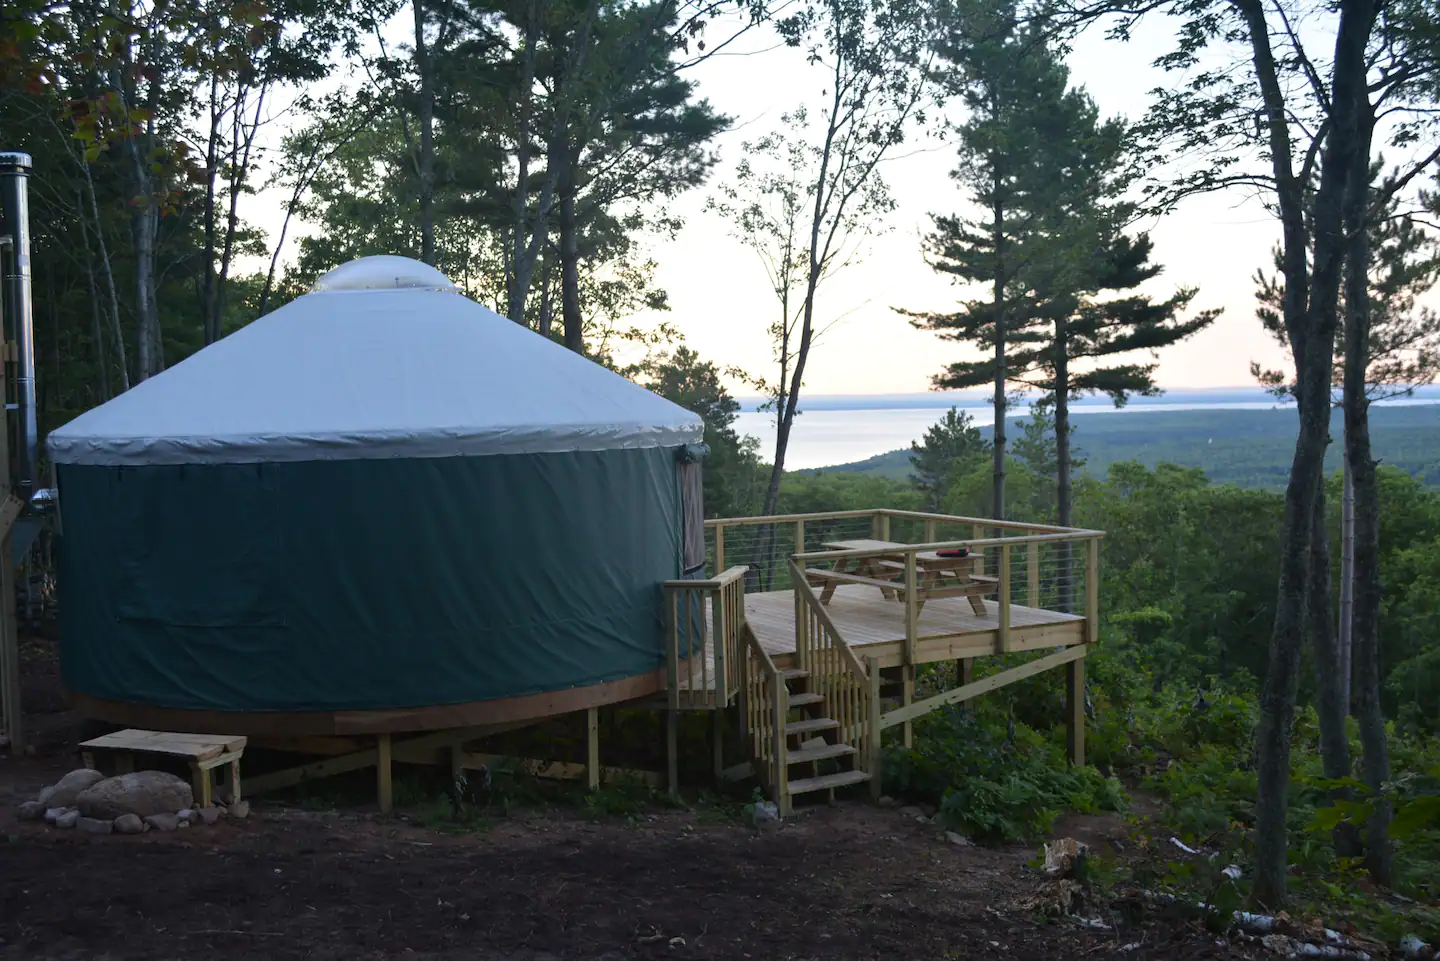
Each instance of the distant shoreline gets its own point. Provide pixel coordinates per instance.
(976, 400)
(1240, 444)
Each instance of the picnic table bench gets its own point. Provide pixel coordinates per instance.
(939, 575)
(203, 752)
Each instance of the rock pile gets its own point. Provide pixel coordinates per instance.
(88, 801)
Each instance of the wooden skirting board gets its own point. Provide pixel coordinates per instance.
(443, 717)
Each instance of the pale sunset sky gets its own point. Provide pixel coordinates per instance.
(721, 302)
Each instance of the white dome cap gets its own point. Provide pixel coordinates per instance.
(382, 272)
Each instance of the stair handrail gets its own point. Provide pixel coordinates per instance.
(837, 674)
(766, 705)
(726, 593)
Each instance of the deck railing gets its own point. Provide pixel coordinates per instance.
(1057, 571)
(705, 622)
(836, 673)
(766, 705)
(1044, 566)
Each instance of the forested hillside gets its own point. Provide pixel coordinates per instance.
(1251, 448)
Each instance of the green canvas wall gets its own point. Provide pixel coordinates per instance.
(359, 584)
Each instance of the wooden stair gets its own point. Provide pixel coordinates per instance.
(814, 739)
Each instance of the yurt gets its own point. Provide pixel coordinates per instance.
(381, 507)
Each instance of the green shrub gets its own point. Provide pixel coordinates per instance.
(994, 779)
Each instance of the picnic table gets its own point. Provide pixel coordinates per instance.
(938, 575)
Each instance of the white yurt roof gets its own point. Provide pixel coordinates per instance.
(383, 358)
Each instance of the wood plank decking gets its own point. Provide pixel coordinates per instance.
(874, 626)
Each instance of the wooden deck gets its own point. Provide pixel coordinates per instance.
(875, 628)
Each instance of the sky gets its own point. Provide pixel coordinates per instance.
(721, 302)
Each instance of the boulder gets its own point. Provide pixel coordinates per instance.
(129, 824)
(31, 811)
(142, 793)
(68, 820)
(62, 793)
(163, 822)
(95, 825)
(240, 809)
(209, 815)
(53, 814)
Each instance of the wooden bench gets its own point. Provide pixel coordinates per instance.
(203, 752)
(973, 587)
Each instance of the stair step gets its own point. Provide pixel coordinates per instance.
(800, 700)
(820, 752)
(826, 781)
(810, 725)
(793, 673)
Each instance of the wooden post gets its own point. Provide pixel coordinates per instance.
(719, 549)
(930, 532)
(385, 788)
(799, 537)
(978, 532)
(592, 749)
(1075, 710)
(872, 747)
(1092, 591)
(780, 773)
(672, 649)
(1032, 575)
(672, 751)
(719, 631)
(1004, 632)
(717, 747)
(912, 628)
(884, 527)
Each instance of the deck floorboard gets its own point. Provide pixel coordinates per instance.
(865, 618)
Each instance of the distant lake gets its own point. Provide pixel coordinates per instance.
(826, 435)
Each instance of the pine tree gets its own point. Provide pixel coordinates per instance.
(1014, 161)
(952, 441)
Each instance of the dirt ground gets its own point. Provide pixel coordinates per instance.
(845, 882)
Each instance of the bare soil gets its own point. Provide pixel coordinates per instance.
(850, 881)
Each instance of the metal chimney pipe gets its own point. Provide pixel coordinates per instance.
(15, 205)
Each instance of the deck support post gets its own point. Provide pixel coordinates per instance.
(592, 748)
(1075, 710)
(672, 752)
(964, 674)
(385, 787)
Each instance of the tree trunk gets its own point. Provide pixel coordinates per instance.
(997, 493)
(521, 266)
(570, 260)
(212, 173)
(142, 228)
(1375, 763)
(1310, 314)
(1334, 742)
(116, 331)
(1062, 460)
(97, 333)
(1347, 579)
(427, 137)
